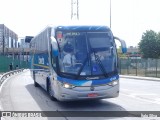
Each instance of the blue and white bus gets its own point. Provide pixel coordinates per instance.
(92, 68)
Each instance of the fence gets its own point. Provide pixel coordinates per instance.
(131, 66)
(140, 67)
(6, 61)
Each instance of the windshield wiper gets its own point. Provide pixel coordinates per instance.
(97, 60)
(100, 64)
(81, 68)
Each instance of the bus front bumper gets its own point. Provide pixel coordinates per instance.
(84, 93)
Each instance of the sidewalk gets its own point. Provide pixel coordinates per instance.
(140, 78)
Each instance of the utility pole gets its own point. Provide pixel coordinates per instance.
(3, 45)
(74, 10)
(110, 13)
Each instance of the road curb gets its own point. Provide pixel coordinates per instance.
(140, 78)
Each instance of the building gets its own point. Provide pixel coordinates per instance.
(8, 40)
(132, 49)
(133, 52)
(24, 44)
(25, 49)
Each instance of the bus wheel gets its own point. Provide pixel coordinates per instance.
(35, 84)
(34, 78)
(50, 92)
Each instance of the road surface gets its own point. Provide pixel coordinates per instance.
(19, 94)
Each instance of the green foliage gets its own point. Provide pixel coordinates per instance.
(120, 54)
(149, 46)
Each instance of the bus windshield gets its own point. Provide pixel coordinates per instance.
(87, 53)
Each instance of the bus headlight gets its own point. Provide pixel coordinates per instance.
(113, 83)
(68, 86)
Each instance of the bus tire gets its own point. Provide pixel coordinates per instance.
(36, 84)
(34, 78)
(49, 91)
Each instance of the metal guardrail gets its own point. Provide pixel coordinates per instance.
(8, 74)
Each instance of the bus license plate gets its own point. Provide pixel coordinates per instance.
(92, 95)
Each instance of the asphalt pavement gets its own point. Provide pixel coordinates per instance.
(19, 94)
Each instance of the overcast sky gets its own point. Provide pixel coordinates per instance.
(130, 18)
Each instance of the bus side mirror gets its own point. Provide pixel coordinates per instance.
(54, 46)
(123, 44)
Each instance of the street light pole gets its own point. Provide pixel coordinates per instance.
(3, 40)
(110, 13)
(3, 45)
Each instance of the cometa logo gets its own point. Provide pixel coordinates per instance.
(92, 78)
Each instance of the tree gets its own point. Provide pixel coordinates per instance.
(120, 54)
(149, 46)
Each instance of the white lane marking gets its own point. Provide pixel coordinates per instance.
(145, 94)
(142, 99)
(140, 96)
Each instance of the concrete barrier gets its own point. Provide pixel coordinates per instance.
(8, 74)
